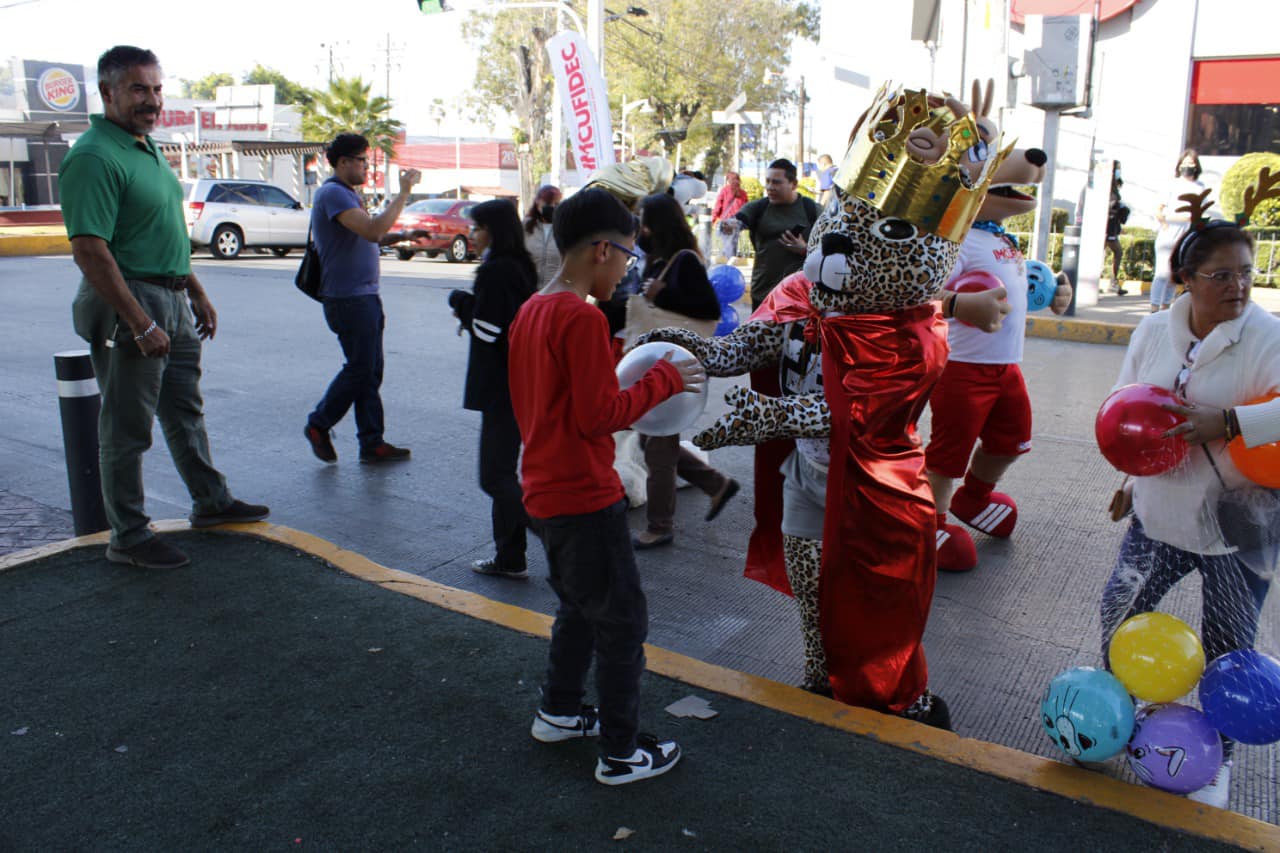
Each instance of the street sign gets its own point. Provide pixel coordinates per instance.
(736, 104)
(737, 117)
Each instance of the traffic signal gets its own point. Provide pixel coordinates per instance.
(432, 7)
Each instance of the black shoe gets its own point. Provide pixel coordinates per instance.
(154, 553)
(321, 444)
(384, 453)
(651, 758)
(717, 503)
(237, 512)
(820, 689)
(648, 539)
(491, 566)
(930, 710)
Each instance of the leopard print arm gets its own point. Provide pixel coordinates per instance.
(801, 416)
(754, 418)
(749, 347)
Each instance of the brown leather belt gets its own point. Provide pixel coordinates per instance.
(170, 282)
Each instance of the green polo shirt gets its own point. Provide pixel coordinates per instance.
(121, 189)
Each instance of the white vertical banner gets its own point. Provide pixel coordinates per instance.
(585, 101)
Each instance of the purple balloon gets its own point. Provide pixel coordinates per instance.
(1174, 748)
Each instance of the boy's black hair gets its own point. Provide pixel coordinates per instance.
(786, 166)
(345, 145)
(588, 214)
(121, 58)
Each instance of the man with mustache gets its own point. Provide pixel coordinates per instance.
(141, 308)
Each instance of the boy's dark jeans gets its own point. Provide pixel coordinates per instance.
(358, 322)
(602, 612)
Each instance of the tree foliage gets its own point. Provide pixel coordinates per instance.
(346, 107)
(287, 91)
(206, 87)
(686, 59)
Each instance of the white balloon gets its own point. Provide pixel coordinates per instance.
(669, 417)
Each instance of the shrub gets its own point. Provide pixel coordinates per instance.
(753, 187)
(1242, 175)
(1025, 223)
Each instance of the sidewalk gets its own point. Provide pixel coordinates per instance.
(23, 240)
(284, 692)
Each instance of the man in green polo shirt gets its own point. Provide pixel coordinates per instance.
(123, 209)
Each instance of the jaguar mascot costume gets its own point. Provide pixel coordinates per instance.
(854, 344)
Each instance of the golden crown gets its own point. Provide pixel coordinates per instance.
(939, 198)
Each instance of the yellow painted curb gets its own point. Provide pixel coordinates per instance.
(1082, 331)
(1003, 762)
(15, 245)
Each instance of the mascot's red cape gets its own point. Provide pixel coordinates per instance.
(878, 556)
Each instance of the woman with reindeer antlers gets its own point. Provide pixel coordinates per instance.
(1219, 352)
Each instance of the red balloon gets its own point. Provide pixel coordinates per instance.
(1130, 430)
(974, 282)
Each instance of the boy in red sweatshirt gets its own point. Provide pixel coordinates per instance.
(568, 404)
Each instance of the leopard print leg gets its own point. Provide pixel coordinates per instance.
(803, 560)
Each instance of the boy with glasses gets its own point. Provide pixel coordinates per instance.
(568, 405)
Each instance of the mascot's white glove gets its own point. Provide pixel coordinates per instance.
(756, 418)
(1061, 296)
(984, 309)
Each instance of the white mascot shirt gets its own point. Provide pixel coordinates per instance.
(982, 250)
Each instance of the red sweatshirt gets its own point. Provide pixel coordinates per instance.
(568, 404)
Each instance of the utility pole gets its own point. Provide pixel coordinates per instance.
(800, 143)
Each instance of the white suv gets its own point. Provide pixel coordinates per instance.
(229, 215)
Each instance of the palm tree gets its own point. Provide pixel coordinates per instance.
(345, 107)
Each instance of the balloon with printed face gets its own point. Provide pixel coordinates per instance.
(1174, 748)
(728, 320)
(1260, 464)
(674, 415)
(1240, 693)
(728, 283)
(1087, 713)
(1041, 285)
(1157, 657)
(1130, 429)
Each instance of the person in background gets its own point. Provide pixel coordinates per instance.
(347, 240)
(568, 404)
(504, 280)
(1117, 216)
(142, 310)
(538, 236)
(676, 293)
(1217, 350)
(729, 201)
(1172, 225)
(779, 226)
(826, 179)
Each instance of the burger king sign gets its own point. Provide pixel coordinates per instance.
(55, 90)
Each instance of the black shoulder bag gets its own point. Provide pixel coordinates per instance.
(309, 278)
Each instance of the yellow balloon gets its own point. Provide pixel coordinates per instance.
(1157, 657)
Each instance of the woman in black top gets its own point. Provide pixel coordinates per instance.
(675, 283)
(504, 280)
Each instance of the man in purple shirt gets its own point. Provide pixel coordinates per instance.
(347, 239)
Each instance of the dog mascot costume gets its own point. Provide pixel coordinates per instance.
(981, 394)
(858, 343)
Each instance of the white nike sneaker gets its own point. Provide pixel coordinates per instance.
(651, 758)
(551, 728)
(1218, 792)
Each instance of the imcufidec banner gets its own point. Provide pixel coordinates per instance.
(585, 99)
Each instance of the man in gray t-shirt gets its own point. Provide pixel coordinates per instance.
(779, 225)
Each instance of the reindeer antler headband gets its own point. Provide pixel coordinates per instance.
(1197, 205)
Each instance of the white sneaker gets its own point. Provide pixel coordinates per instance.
(651, 758)
(1217, 792)
(550, 728)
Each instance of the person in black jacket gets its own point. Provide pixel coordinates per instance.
(675, 284)
(505, 278)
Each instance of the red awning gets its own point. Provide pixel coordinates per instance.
(1019, 9)
(1236, 81)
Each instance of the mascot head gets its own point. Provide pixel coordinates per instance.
(911, 184)
(631, 181)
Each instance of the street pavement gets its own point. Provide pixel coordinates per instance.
(997, 635)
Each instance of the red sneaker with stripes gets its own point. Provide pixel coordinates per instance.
(995, 514)
(956, 551)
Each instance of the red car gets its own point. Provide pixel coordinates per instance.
(446, 220)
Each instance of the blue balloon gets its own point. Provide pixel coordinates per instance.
(727, 282)
(1087, 713)
(1240, 694)
(1041, 285)
(728, 320)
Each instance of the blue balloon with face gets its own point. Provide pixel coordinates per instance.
(728, 283)
(1087, 713)
(1041, 286)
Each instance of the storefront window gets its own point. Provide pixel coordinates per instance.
(1233, 130)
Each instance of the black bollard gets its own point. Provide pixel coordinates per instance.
(1071, 262)
(79, 403)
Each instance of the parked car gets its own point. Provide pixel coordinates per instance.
(230, 215)
(449, 223)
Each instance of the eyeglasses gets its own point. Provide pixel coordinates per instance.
(1225, 277)
(632, 257)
